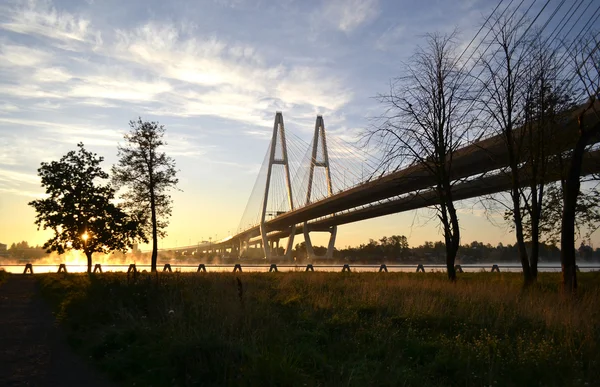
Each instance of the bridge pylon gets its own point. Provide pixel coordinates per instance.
(319, 137)
(278, 139)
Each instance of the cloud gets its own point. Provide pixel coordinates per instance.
(22, 56)
(119, 87)
(8, 108)
(183, 73)
(228, 80)
(66, 133)
(348, 15)
(22, 192)
(13, 177)
(52, 75)
(41, 18)
(305, 85)
(391, 37)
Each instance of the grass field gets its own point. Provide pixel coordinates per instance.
(332, 329)
(3, 276)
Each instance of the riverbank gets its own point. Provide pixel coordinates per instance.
(331, 328)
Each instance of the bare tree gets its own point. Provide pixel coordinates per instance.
(546, 102)
(424, 123)
(586, 61)
(502, 100)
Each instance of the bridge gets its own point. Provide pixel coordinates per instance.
(287, 202)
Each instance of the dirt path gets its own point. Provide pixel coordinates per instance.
(33, 350)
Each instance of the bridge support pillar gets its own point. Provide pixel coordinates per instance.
(322, 161)
(242, 247)
(310, 252)
(277, 158)
(271, 246)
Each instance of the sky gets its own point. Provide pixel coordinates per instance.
(214, 73)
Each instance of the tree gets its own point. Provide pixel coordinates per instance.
(424, 123)
(540, 118)
(586, 63)
(587, 214)
(79, 209)
(546, 103)
(501, 99)
(147, 174)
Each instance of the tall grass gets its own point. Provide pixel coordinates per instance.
(3, 276)
(332, 329)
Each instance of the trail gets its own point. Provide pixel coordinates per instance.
(33, 350)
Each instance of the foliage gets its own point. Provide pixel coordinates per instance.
(587, 217)
(77, 204)
(3, 276)
(22, 250)
(147, 174)
(393, 247)
(298, 329)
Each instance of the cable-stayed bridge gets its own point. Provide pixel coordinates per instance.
(303, 188)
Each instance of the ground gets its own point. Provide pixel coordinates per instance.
(34, 350)
(299, 329)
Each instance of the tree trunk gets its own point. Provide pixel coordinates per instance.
(88, 254)
(455, 240)
(570, 194)
(527, 277)
(154, 232)
(567, 235)
(535, 232)
(451, 229)
(516, 199)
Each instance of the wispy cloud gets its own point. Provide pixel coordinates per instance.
(185, 74)
(13, 177)
(41, 18)
(347, 15)
(391, 37)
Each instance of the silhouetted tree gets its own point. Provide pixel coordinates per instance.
(586, 63)
(79, 209)
(546, 104)
(147, 174)
(502, 97)
(424, 123)
(587, 214)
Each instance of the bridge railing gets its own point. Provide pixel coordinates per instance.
(282, 267)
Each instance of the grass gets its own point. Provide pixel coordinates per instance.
(332, 329)
(3, 276)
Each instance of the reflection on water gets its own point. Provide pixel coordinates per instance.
(78, 268)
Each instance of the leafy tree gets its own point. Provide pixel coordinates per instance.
(587, 214)
(147, 174)
(79, 209)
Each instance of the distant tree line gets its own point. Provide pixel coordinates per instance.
(24, 252)
(395, 249)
